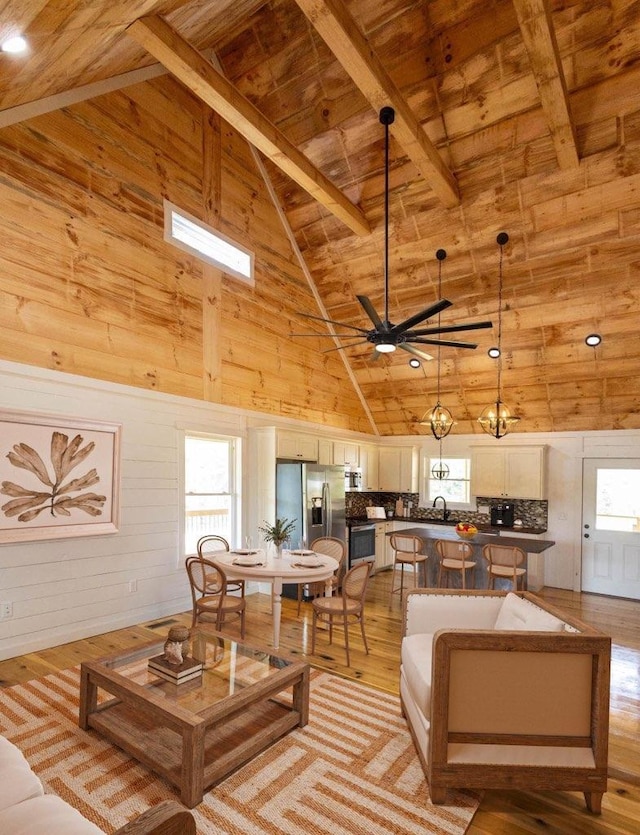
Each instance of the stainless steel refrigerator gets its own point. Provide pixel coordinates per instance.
(313, 495)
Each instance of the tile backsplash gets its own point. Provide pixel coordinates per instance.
(532, 513)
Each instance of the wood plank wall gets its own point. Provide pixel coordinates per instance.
(88, 286)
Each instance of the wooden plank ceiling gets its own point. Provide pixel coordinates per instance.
(514, 115)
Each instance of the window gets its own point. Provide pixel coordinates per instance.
(211, 499)
(456, 487)
(192, 235)
(617, 500)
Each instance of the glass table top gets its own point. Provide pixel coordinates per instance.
(228, 667)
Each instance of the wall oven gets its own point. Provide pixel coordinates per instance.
(362, 544)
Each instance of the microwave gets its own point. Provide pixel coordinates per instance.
(352, 480)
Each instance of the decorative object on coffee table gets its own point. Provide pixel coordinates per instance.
(180, 633)
(186, 670)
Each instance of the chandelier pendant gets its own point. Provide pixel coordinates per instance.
(496, 419)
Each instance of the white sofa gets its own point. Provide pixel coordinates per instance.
(503, 691)
(25, 809)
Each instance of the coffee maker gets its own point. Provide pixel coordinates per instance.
(502, 514)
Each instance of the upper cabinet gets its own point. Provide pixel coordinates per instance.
(369, 468)
(517, 472)
(398, 469)
(296, 446)
(347, 453)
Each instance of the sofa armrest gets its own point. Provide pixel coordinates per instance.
(530, 688)
(167, 818)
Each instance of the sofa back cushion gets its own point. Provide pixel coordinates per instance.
(518, 614)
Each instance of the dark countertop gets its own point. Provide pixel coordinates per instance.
(531, 546)
(500, 530)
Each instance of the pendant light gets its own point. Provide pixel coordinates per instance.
(439, 419)
(496, 419)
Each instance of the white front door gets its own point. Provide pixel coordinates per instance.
(611, 527)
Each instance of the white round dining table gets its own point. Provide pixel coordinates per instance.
(276, 570)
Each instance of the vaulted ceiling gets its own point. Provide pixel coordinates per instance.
(511, 115)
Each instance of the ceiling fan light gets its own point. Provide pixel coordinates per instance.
(385, 347)
(497, 420)
(439, 420)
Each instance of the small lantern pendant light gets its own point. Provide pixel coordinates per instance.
(496, 419)
(439, 419)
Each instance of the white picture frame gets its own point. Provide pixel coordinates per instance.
(59, 477)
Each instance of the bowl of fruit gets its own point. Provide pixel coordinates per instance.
(466, 530)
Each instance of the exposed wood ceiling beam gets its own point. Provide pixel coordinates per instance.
(193, 70)
(534, 18)
(343, 37)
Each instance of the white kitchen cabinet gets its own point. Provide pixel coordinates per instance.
(325, 451)
(295, 446)
(398, 469)
(369, 468)
(347, 453)
(384, 551)
(509, 472)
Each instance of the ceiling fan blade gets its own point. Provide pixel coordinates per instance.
(371, 312)
(414, 351)
(339, 335)
(449, 329)
(427, 313)
(445, 342)
(333, 322)
(341, 347)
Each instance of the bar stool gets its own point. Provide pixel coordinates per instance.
(406, 552)
(455, 555)
(505, 563)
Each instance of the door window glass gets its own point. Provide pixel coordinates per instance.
(617, 500)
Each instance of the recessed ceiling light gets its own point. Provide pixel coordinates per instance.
(494, 353)
(14, 45)
(593, 339)
(414, 362)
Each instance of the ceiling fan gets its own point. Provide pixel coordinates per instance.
(385, 336)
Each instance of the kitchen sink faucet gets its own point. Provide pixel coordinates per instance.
(445, 512)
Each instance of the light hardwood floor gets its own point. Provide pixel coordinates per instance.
(516, 812)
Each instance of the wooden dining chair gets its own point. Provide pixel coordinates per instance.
(209, 596)
(455, 556)
(332, 547)
(505, 562)
(407, 551)
(211, 544)
(346, 608)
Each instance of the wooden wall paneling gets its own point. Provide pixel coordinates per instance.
(211, 277)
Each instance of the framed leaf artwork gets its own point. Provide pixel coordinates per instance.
(59, 477)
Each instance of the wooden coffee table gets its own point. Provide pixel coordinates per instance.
(196, 733)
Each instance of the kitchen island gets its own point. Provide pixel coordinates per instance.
(530, 546)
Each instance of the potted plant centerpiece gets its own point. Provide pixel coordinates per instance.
(278, 532)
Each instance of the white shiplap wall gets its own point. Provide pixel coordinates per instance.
(66, 589)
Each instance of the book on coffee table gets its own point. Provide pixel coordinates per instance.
(188, 669)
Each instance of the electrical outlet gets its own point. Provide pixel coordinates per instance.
(133, 585)
(6, 610)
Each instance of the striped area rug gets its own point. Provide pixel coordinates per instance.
(351, 771)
